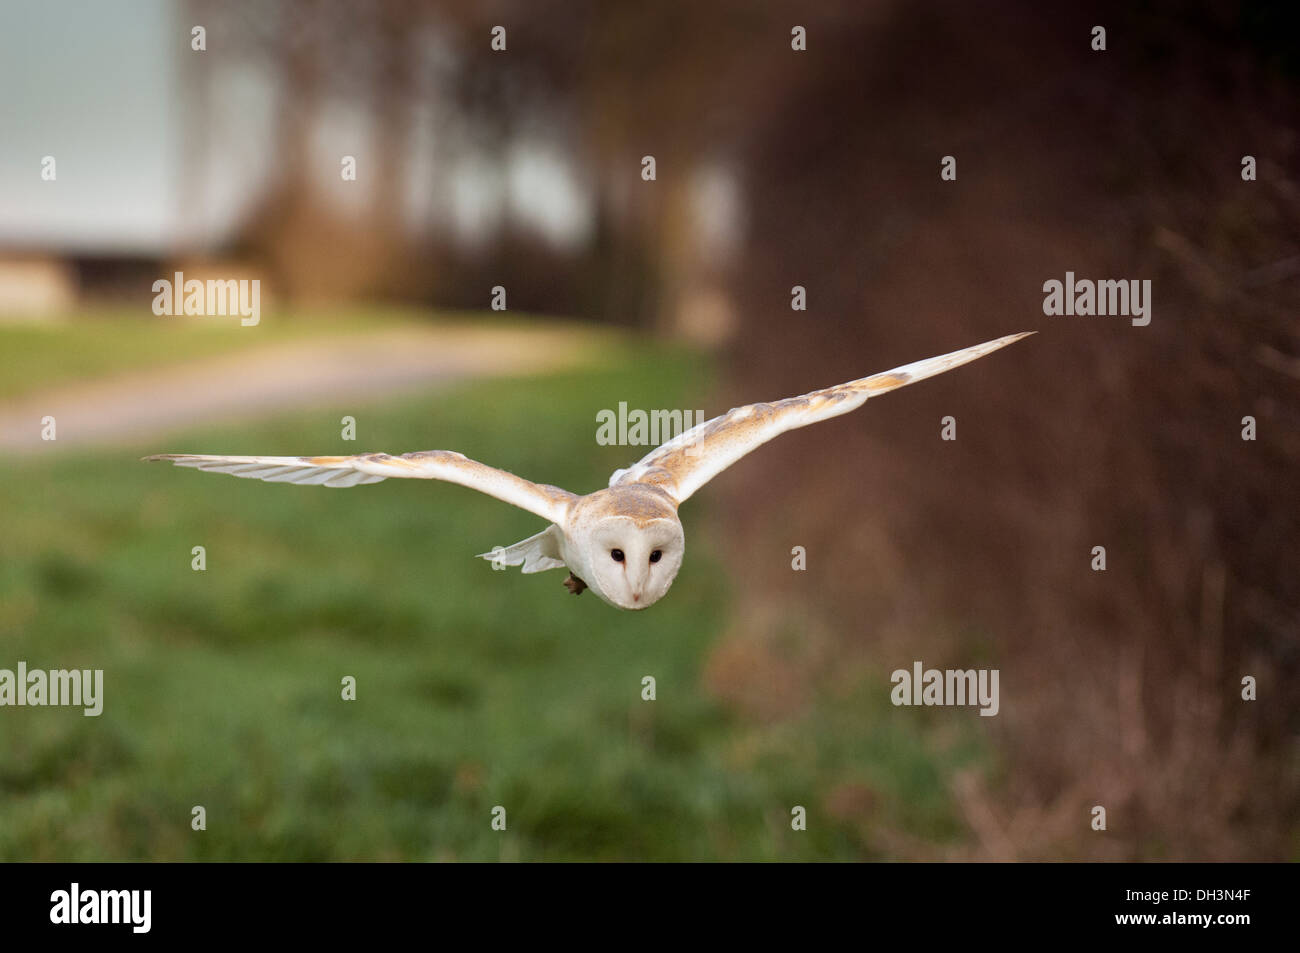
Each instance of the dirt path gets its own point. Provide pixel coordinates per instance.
(356, 369)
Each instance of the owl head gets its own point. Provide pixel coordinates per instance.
(632, 563)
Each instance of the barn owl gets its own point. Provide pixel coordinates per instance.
(624, 542)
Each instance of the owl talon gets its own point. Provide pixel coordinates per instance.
(574, 584)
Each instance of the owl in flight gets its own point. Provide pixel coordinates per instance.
(624, 542)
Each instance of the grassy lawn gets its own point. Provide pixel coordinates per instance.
(91, 345)
(475, 688)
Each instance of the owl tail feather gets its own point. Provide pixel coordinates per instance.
(536, 553)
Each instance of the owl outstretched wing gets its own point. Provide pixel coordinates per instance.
(687, 462)
(548, 502)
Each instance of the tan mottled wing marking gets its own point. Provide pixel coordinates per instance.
(684, 464)
(548, 502)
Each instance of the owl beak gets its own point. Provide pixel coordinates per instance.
(636, 597)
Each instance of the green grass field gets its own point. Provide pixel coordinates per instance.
(103, 342)
(475, 688)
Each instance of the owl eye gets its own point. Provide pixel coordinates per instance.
(617, 555)
(654, 557)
